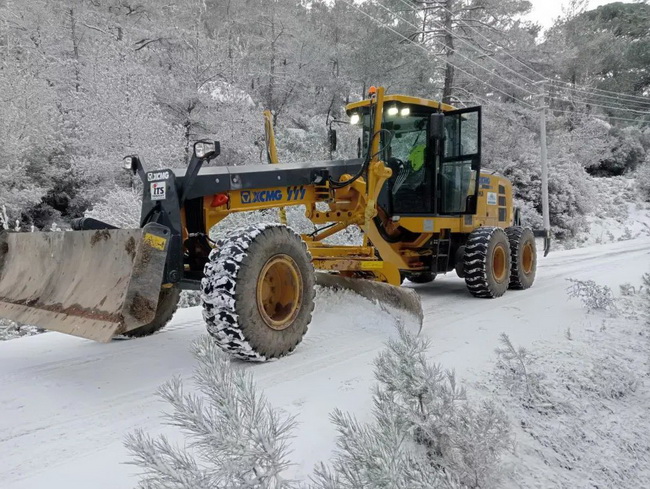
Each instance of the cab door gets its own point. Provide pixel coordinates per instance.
(457, 178)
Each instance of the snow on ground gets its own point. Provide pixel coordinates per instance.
(67, 403)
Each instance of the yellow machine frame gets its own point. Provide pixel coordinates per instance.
(356, 204)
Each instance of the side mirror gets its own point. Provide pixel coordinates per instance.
(332, 140)
(436, 126)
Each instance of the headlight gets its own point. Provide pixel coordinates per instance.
(127, 162)
(355, 118)
(392, 110)
(203, 149)
(405, 111)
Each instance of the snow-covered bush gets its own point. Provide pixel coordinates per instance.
(605, 376)
(634, 302)
(423, 422)
(595, 386)
(235, 438)
(594, 297)
(119, 207)
(643, 179)
(379, 455)
(424, 432)
(517, 372)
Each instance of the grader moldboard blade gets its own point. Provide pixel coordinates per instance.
(402, 303)
(93, 284)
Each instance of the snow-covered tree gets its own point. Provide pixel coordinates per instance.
(424, 434)
(235, 438)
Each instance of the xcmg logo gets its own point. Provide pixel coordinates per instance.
(251, 197)
(260, 196)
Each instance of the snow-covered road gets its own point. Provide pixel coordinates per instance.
(66, 403)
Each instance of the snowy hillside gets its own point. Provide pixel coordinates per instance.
(68, 403)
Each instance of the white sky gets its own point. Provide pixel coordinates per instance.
(546, 11)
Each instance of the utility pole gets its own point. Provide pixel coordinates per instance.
(544, 162)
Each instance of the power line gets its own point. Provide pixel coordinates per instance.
(618, 98)
(624, 109)
(643, 100)
(595, 116)
(441, 27)
(386, 26)
(378, 3)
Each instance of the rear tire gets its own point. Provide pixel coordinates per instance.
(167, 305)
(420, 277)
(487, 262)
(523, 255)
(247, 313)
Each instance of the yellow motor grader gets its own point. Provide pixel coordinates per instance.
(416, 191)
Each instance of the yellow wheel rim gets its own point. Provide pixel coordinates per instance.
(499, 262)
(527, 258)
(279, 292)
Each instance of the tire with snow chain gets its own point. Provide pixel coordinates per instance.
(487, 262)
(258, 292)
(523, 255)
(167, 305)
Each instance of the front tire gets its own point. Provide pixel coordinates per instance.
(258, 292)
(523, 254)
(167, 305)
(487, 262)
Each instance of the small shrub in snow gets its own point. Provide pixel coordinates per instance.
(423, 423)
(594, 297)
(379, 455)
(627, 289)
(643, 179)
(235, 438)
(606, 378)
(635, 301)
(516, 371)
(596, 433)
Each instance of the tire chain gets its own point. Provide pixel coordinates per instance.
(514, 234)
(475, 261)
(218, 288)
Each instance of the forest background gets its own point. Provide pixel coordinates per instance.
(85, 82)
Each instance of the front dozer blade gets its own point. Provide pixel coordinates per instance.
(93, 284)
(400, 302)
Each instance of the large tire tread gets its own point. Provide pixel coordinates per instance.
(229, 302)
(517, 236)
(477, 269)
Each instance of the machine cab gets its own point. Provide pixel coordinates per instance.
(434, 151)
